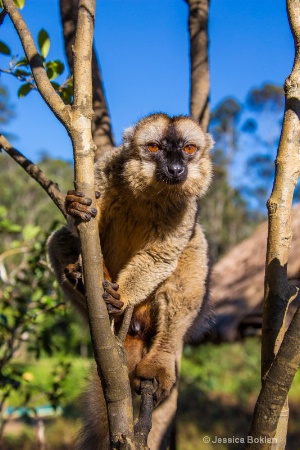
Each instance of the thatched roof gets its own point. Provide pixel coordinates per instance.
(237, 283)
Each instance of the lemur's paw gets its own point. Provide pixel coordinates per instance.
(112, 298)
(73, 273)
(78, 205)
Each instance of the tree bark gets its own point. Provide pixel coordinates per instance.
(273, 394)
(110, 364)
(101, 123)
(77, 120)
(278, 292)
(200, 85)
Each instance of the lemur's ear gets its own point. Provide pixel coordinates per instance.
(128, 134)
(209, 141)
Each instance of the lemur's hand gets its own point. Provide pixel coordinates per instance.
(78, 205)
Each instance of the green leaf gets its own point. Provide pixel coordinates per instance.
(13, 228)
(19, 3)
(24, 90)
(55, 85)
(49, 72)
(54, 68)
(22, 73)
(16, 244)
(30, 232)
(44, 42)
(37, 294)
(4, 49)
(22, 62)
(3, 211)
(67, 92)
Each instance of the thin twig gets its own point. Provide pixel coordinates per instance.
(125, 324)
(20, 77)
(144, 424)
(36, 173)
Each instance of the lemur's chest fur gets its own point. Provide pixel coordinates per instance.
(125, 230)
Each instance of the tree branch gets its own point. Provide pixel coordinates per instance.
(144, 424)
(36, 173)
(276, 386)
(125, 324)
(198, 30)
(110, 361)
(101, 123)
(278, 291)
(53, 100)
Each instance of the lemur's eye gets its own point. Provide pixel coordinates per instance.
(190, 149)
(152, 147)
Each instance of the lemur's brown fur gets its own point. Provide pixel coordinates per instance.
(153, 248)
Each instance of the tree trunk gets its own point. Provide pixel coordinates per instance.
(200, 86)
(271, 413)
(101, 123)
(77, 120)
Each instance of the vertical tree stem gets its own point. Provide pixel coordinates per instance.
(200, 85)
(278, 292)
(108, 357)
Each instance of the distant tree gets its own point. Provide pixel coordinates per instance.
(265, 107)
(224, 211)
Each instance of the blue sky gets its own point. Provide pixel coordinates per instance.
(143, 49)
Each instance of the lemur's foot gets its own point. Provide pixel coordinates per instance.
(159, 367)
(73, 273)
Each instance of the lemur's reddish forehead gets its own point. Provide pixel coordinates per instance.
(159, 127)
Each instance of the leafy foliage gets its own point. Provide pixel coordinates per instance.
(54, 68)
(34, 319)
